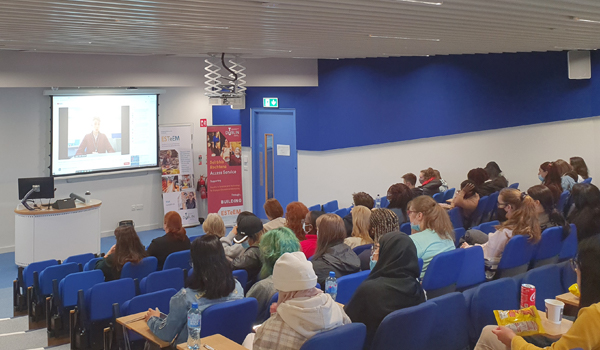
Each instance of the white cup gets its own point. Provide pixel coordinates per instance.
(554, 310)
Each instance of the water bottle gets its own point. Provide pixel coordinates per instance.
(193, 325)
(331, 285)
(378, 202)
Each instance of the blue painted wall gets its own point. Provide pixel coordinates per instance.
(363, 102)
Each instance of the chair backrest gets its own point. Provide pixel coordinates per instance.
(192, 238)
(348, 337)
(549, 247)
(316, 207)
(141, 269)
(492, 204)
(449, 194)
(405, 227)
(587, 181)
(568, 276)
(100, 298)
(516, 257)
(80, 259)
(547, 282)
(564, 198)
(71, 284)
(347, 285)
(412, 327)
(458, 234)
(342, 212)
(231, 319)
(442, 273)
(515, 186)
(488, 227)
(90, 265)
(56, 272)
(384, 202)
(472, 272)
(439, 197)
(241, 276)
(159, 299)
(361, 248)
(479, 211)
(453, 335)
(456, 217)
(165, 279)
(495, 295)
(420, 265)
(178, 259)
(569, 245)
(330, 207)
(38, 267)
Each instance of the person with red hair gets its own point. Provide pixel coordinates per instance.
(295, 213)
(174, 240)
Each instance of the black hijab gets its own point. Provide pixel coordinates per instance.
(392, 284)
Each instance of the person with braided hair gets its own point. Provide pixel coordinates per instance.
(382, 221)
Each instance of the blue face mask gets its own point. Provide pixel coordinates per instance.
(416, 228)
(245, 244)
(541, 178)
(372, 263)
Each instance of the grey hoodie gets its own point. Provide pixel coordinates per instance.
(340, 259)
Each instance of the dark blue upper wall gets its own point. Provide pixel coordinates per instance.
(369, 101)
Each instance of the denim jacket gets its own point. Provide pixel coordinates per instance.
(175, 325)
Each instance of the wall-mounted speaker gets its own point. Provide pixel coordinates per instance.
(579, 65)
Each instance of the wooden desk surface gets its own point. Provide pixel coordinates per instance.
(21, 210)
(217, 342)
(555, 330)
(568, 299)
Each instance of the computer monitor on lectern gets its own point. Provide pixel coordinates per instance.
(46, 187)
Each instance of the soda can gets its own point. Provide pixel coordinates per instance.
(527, 295)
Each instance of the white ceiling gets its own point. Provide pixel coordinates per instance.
(298, 28)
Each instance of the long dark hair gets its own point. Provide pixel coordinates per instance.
(478, 176)
(212, 272)
(400, 195)
(543, 194)
(331, 231)
(588, 260)
(586, 214)
(129, 248)
(579, 166)
(552, 180)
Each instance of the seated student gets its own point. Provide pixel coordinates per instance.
(429, 184)
(382, 221)
(392, 284)
(433, 232)
(583, 334)
(273, 244)
(586, 210)
(545, 208)
(249, 232)
(360, 198)
(360, 227)
(274, 212)
(301, 311)
(129, 248)
(175, 239)
(214, 225)
(444, 185)
(332, 254)
(550, 177)
(399, 195)
(309, 244)
(580, 168)
(479, 177)
(496, 180)
(568, 177)
(467, 199)
(211, 283)
(517, 216)
(295, 212)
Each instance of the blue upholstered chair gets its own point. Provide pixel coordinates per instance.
(348, 337)
(241, 276)
(477, 215)
(80, 259)
(548, 248)
(179, 259)
(569, 245)
(141, 269)
(516, 257)
(405, 227)
(165, 279)
(515, 186)
(439, 197)
(472, 272)
(361, 248)
(330, 207)
(347, 285)
(90, 265)
(316, 207)
(443, 272)
(449, 194)
(453, 335)
(458, 234)
(411, 327)
(547, 282)
(231, 319)
(456, 217)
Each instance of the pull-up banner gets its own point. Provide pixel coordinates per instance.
(224, 180)
(177, 167)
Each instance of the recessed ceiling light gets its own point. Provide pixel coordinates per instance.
(434, 3)
(585, 20)
(400, 38)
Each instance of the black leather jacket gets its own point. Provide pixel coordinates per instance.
(249, 261)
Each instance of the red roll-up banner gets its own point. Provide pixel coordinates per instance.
(224, 163)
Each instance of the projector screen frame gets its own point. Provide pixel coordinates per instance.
(98, 92)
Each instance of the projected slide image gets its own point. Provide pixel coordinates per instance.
(188, 200)
(170, 184)
(169, 161)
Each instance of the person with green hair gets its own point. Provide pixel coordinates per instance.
(273, 244)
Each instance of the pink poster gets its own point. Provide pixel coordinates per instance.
(224, 181)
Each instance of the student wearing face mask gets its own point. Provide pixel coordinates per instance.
(432, 230)
(518, 216)
(430, 185)
(309, 226)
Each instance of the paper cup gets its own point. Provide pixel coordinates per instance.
(554, 310)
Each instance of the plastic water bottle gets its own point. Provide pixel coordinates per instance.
(331, 285)
(378, 202)
(193, 325)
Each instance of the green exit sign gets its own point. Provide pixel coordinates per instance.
(270, 102)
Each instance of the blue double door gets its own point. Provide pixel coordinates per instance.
(274, 157)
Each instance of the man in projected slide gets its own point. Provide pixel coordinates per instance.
(95, 142)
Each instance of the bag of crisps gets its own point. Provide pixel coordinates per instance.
(574, 289)
(523, 322)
